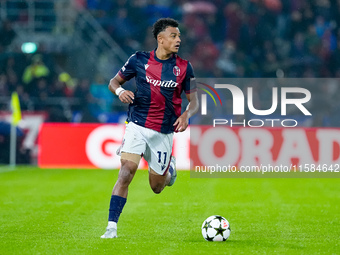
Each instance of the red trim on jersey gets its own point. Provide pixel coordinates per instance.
(121, 75)
(156, 111)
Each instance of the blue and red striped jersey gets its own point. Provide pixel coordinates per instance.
(159, 83)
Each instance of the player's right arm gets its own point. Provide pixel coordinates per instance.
(126, 73)
(115, 86)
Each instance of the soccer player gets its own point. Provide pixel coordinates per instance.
(154, 114)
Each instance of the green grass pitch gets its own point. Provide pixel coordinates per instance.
(65, 212)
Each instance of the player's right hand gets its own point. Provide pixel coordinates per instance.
(126, 97)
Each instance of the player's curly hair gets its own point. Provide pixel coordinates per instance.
(161, 24)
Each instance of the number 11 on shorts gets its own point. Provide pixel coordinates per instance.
(160, 155)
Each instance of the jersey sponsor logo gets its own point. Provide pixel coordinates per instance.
(146, 66)
(176, 70)
(167, 84)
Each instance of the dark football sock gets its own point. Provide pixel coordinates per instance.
(116, 206)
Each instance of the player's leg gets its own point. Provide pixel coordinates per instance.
(162, 169)
(132, 148)
(129, 165)
(158, 181)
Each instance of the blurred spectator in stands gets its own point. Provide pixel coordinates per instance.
(313, 41)
(58, 89)
(234, 19)
(79, 4)
(7, 35)
(12, 68)
(37, 69)
(24, 98)
(298, 47)
(100, 8)
(3, 85)
(82, 93)
(198, 27)
(204, 56)
(335, 61)
(270, 65)
(137, 16)
(40, 94)
(245, 67)
(226, 61)
(157, 9)
(92, 4)
(68, 84)
(85, 100)
(122, 27)
(321, 25)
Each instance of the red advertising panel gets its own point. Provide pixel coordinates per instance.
(95, 145)
(266, 146)
(92, 146)
(77, 145)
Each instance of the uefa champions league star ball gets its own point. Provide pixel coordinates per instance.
(216, 228)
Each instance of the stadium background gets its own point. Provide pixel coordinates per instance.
(60, 55)
(75, 47)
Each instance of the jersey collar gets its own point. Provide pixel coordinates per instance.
(165, 60)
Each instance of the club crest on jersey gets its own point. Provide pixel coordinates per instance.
(176, 70)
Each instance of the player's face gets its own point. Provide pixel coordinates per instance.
(170, 39)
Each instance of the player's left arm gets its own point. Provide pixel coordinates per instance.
(182, 122)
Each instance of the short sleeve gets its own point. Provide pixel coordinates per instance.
(189, 85)
(128, 71)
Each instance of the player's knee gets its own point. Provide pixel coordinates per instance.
(124, 178)
(126, 173)
(157, 188)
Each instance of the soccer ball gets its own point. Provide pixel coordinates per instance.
(216, 228)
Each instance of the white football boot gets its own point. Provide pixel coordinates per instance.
(111, 230)
(174, 173)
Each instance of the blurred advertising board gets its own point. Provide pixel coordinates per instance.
(93, 146)
(29, 124)
(268, 152)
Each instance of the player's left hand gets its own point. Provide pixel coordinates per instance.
(182, 122)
